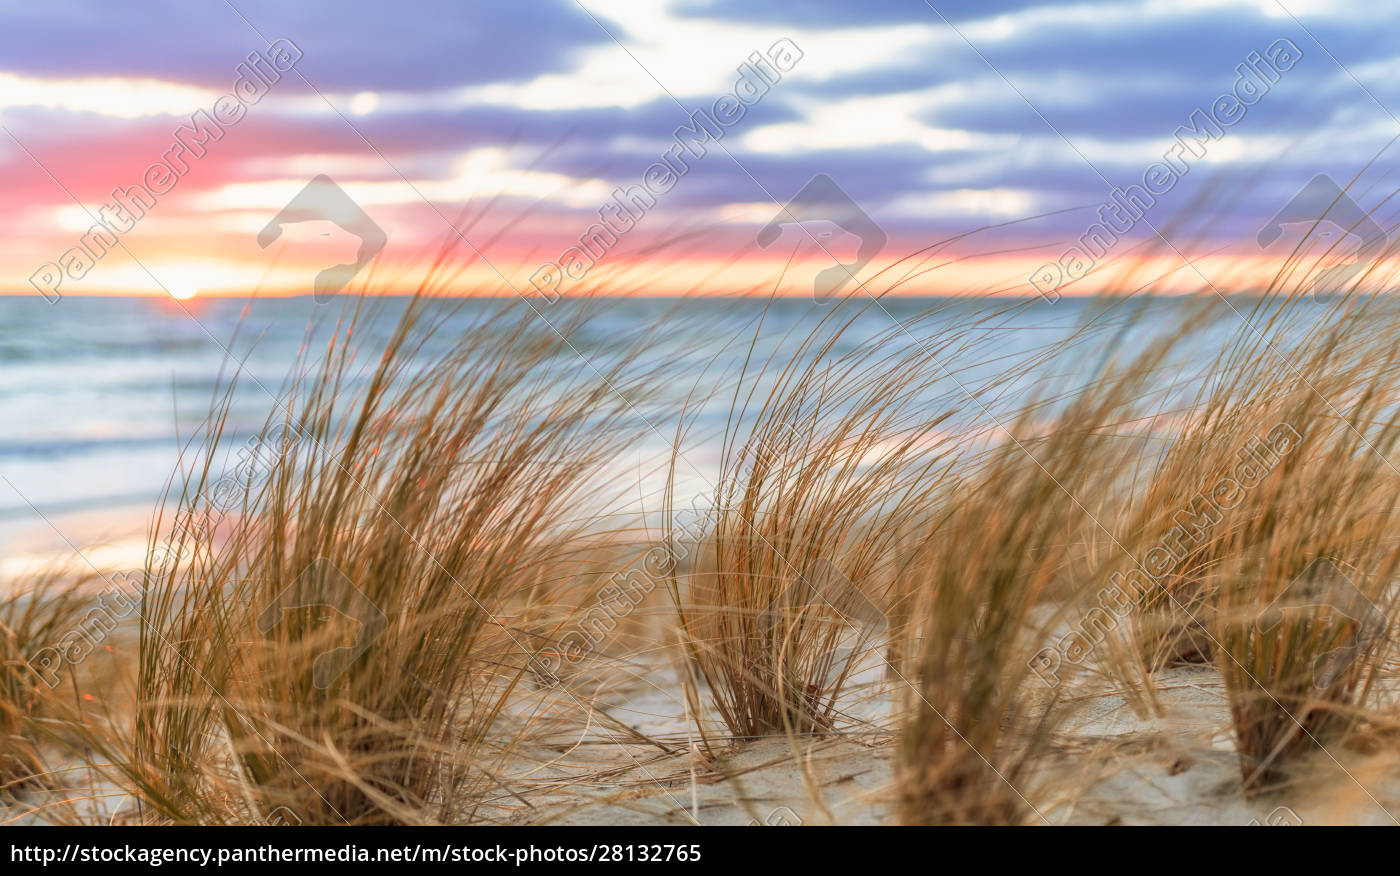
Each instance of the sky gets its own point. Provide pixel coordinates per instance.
(537, 143)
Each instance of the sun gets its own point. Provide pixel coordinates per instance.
(184, 280)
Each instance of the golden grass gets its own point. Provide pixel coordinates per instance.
(423, 580)
(788, 591)
(989, 583)
(32, 618)
(1304, 576)
(342, 647)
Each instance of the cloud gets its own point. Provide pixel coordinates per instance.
(542, 107)
(350, 45)
(840, 12)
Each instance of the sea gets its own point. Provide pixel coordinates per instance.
(101, 398)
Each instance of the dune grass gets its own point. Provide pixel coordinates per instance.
(374, 616)
(790, 586)
(35, 616)
(1304, 576)
(340, 647)
(988, 588)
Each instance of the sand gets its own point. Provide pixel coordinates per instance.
(1108, 766)
(621, 749)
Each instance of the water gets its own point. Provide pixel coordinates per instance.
(98, 394)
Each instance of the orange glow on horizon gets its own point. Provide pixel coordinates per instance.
(938, 275)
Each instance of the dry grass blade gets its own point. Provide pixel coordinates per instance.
(789, 589)
(341, 647)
